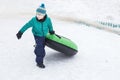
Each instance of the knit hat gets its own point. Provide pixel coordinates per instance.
(41, 9)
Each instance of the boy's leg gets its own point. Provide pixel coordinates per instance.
(39, 49)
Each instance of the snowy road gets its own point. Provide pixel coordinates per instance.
(98, 56)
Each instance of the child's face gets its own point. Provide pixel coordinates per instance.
(40, 16)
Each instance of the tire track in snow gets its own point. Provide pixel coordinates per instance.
(88, 23)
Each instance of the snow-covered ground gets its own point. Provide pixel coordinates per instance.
(99, 54)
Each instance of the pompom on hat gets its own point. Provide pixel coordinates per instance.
(41, 9)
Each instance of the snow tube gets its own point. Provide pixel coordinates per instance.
(61, 44)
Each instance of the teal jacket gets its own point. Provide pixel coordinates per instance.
(39, 28)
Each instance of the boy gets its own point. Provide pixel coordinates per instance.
(41, 24)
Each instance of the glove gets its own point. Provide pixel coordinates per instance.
(19, 35)
(52, 32)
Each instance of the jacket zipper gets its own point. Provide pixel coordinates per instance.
(42, 29)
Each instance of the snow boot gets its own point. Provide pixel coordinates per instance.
(41, 65)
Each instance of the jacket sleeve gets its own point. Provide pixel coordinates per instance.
(50, 25)
(27, 25)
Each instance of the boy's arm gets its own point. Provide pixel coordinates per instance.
(51, 31)
(24, 28)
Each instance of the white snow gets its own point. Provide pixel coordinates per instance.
(99, 54)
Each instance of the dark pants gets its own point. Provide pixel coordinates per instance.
(39, 49)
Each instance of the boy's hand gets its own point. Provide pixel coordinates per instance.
(52, 32)
(19, 35)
